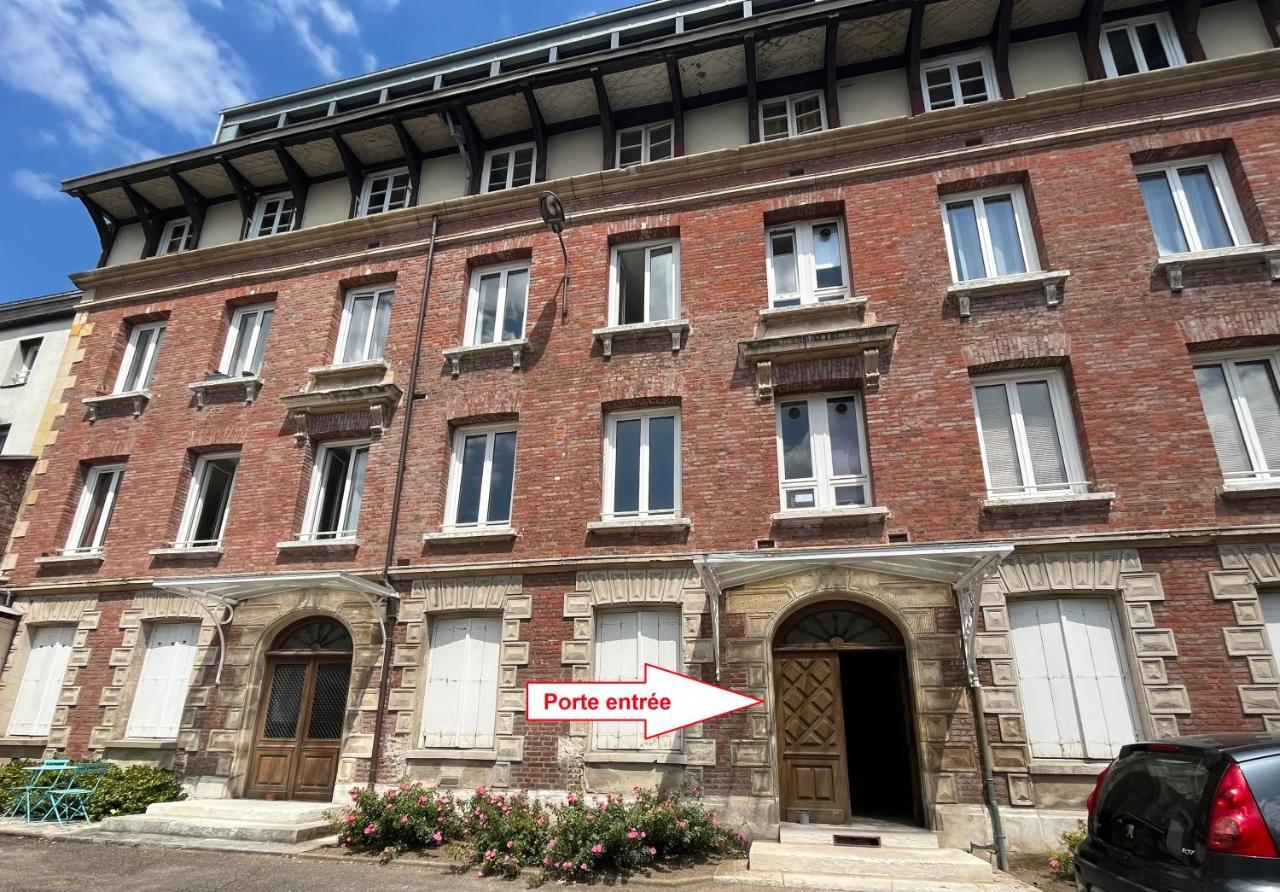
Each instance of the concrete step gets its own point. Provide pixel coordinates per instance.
(287, 833)
(756, 878)
(193, 842)
(863, 864)
(248, 810)
(867, 832)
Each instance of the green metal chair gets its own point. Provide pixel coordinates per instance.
(70, 803)
(32, 801)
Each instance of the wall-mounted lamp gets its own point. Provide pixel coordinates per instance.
(552, 211)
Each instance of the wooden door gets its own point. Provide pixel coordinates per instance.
(811, 738)
(299, 733)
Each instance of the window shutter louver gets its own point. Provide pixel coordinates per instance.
(42, 681)
(1038, 420)
(1224, 426)
(1258, 390)
(997, 437)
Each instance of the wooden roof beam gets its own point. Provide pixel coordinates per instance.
(539, 134)
(195, 203)
(351, 166)
(911, 57)
(299, 182)
(1186, 18)
(148, 218)
(246, 194)
(1270, 10)
(1001, 28)
(608, 141)
(1089, 33)
(830, 60)
(677, 106)
(412, 158)
(107, 226)
(753, 101)
(467, 135)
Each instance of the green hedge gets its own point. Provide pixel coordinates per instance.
(125, 790)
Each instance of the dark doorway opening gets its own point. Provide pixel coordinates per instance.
(878, 735)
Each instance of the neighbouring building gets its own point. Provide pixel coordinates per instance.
(909, 365)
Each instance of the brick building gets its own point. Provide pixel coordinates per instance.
(905, 363)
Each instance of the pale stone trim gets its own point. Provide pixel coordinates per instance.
(1244, 568)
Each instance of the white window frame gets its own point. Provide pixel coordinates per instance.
(806, 263)
(952, 63)
(167, 235)
(613, 737)
(196, 494)
(148, 367)
(473, 301)
(1168, 38)
(791, 101)
(823, 483)
(1062, 418)
(160, 695)
(21, 366)
(482, 736)
(37, 698)
(366, 191)
(615, 284)
(82, 510)
(1021, 214)
(315, 494)
(347, 302)
(646, 142)
(610, 444)
(1227, 199)
(238, 318)
(1253, 446)
(489, 431)
(1270, 602)
(259, 212)
(511, 166)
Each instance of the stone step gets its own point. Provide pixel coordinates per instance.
(758, 879)
(288, 833)
(869, 833)
(865, 863)
(194, 842)
(249, 810)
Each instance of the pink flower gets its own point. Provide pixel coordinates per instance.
(633, 833)
(642, 834)
(682, 824)
(551, 845)
(597, 849)
(490, 855)
(403, 787)
(404, 819)
(571, 799)
(1055, 864)
(348, 819)
(546, 862)
(568, 865)
(391, 794)
(422, 800)
(652, 850)
(715, 822)
(582, 867)
(438, 837)
(511, 843)
(355, 794)
(480, 790)
(368, 831)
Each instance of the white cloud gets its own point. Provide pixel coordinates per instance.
(327, 29)
(40, 186)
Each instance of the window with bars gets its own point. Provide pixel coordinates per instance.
(962, 79)
(1147, 43)
(177, 235)
(93, 511)
(140, 356)
(793, 115)
(1026, 435)
(989, 234)
(625, 642)
(386, 191)
(1192, 205)
(1242, 405)
(822, 453)
(208, 500)
(642, 464)
(273, 214)
(41, 680)
(644, 282)
(649, 142)
(24, 360)
(366, 316)
(337, 488)
(247, 340)
(806, 263)
(481, 477)
(1077, 700)
(161, 692)
(509, 168)
(461, 702)
(497, 303)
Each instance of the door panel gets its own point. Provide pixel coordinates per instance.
(811, 738)
(295, 755)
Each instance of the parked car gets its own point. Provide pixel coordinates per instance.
(1198, 814)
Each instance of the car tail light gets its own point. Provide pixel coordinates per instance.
(1092, 802)
(1235, 823)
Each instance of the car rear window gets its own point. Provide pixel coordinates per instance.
(1150, 805)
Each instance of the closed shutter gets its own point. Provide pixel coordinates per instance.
(1220, 412)
(42, 681)
(462, 687)
(1043, 443)
(161, 693)
(999, 447)
(1259, 395)
(625, 642)
(1271, 616)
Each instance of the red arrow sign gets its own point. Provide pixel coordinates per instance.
(665, 701)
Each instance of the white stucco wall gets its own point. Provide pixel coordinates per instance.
(874, 97)
(722, 126)
(222, 224)
(22, 406)
(1232, 29)
(1045, 64)
(327, 202)
(571, 154)
(443, 178)
(127, 246)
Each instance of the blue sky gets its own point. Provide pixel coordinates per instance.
(90, 84)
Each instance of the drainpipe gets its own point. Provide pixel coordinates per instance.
(988, 776)
(393, 526)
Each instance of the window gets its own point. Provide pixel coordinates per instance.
(4, 435)
(496, 305)
(806, 263)
(642, 464)
(1026, 435)
(247, 340)
(337, 486)
(274, 213)
(822, 453)
(1076, 698)
(177, 235)
(42, 680)
(461, 704)
(482, 477)
(645, 283)
(93, 513)
(140, 356)
(365, 318)
(208, 500)
(792, 116)
(989, 234)
(386, 191)
(1192, 206)
(958, 80)
(1142, 44)
(640, 145)
(625, 642)
(1242, 404)
(509, 168)
(161, 693)
(24, 360)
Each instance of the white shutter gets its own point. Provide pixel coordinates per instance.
(462, 686)
(42, 681)
(1224, 426)
(1044, 680)
(1101, 680)
(1271, 616)
(1258, 392)
(161, 693)
(625, 643)
(1041, 427)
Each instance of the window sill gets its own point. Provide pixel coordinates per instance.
(760, 353)
(474, 534)
(844, 307)
(136, 399)
(249, 385)
(143, 743)
(24, 743)
(802, 516)
(364, 367)
(94, 557)
(1242, 255)
(623, 525)
(677, 328)
(317, 545)
(1048, 281)
(451, 755)
(455, 355)
(1079, 767)
(196, 552)
(1047, 502)
(1260, 489)
(635, 757)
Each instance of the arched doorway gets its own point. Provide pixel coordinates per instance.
(846, 743)
(300, 721)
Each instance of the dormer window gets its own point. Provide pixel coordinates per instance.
(640, 145)
(177, 235)
(792, 116)
(274, 214)
(386, 191)
(963, 79)
(509, 168)
(1148, 43)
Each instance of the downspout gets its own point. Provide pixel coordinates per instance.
(393, 526)
(988, 776)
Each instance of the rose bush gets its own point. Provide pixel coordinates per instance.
(406, 817)
(1062, 863)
